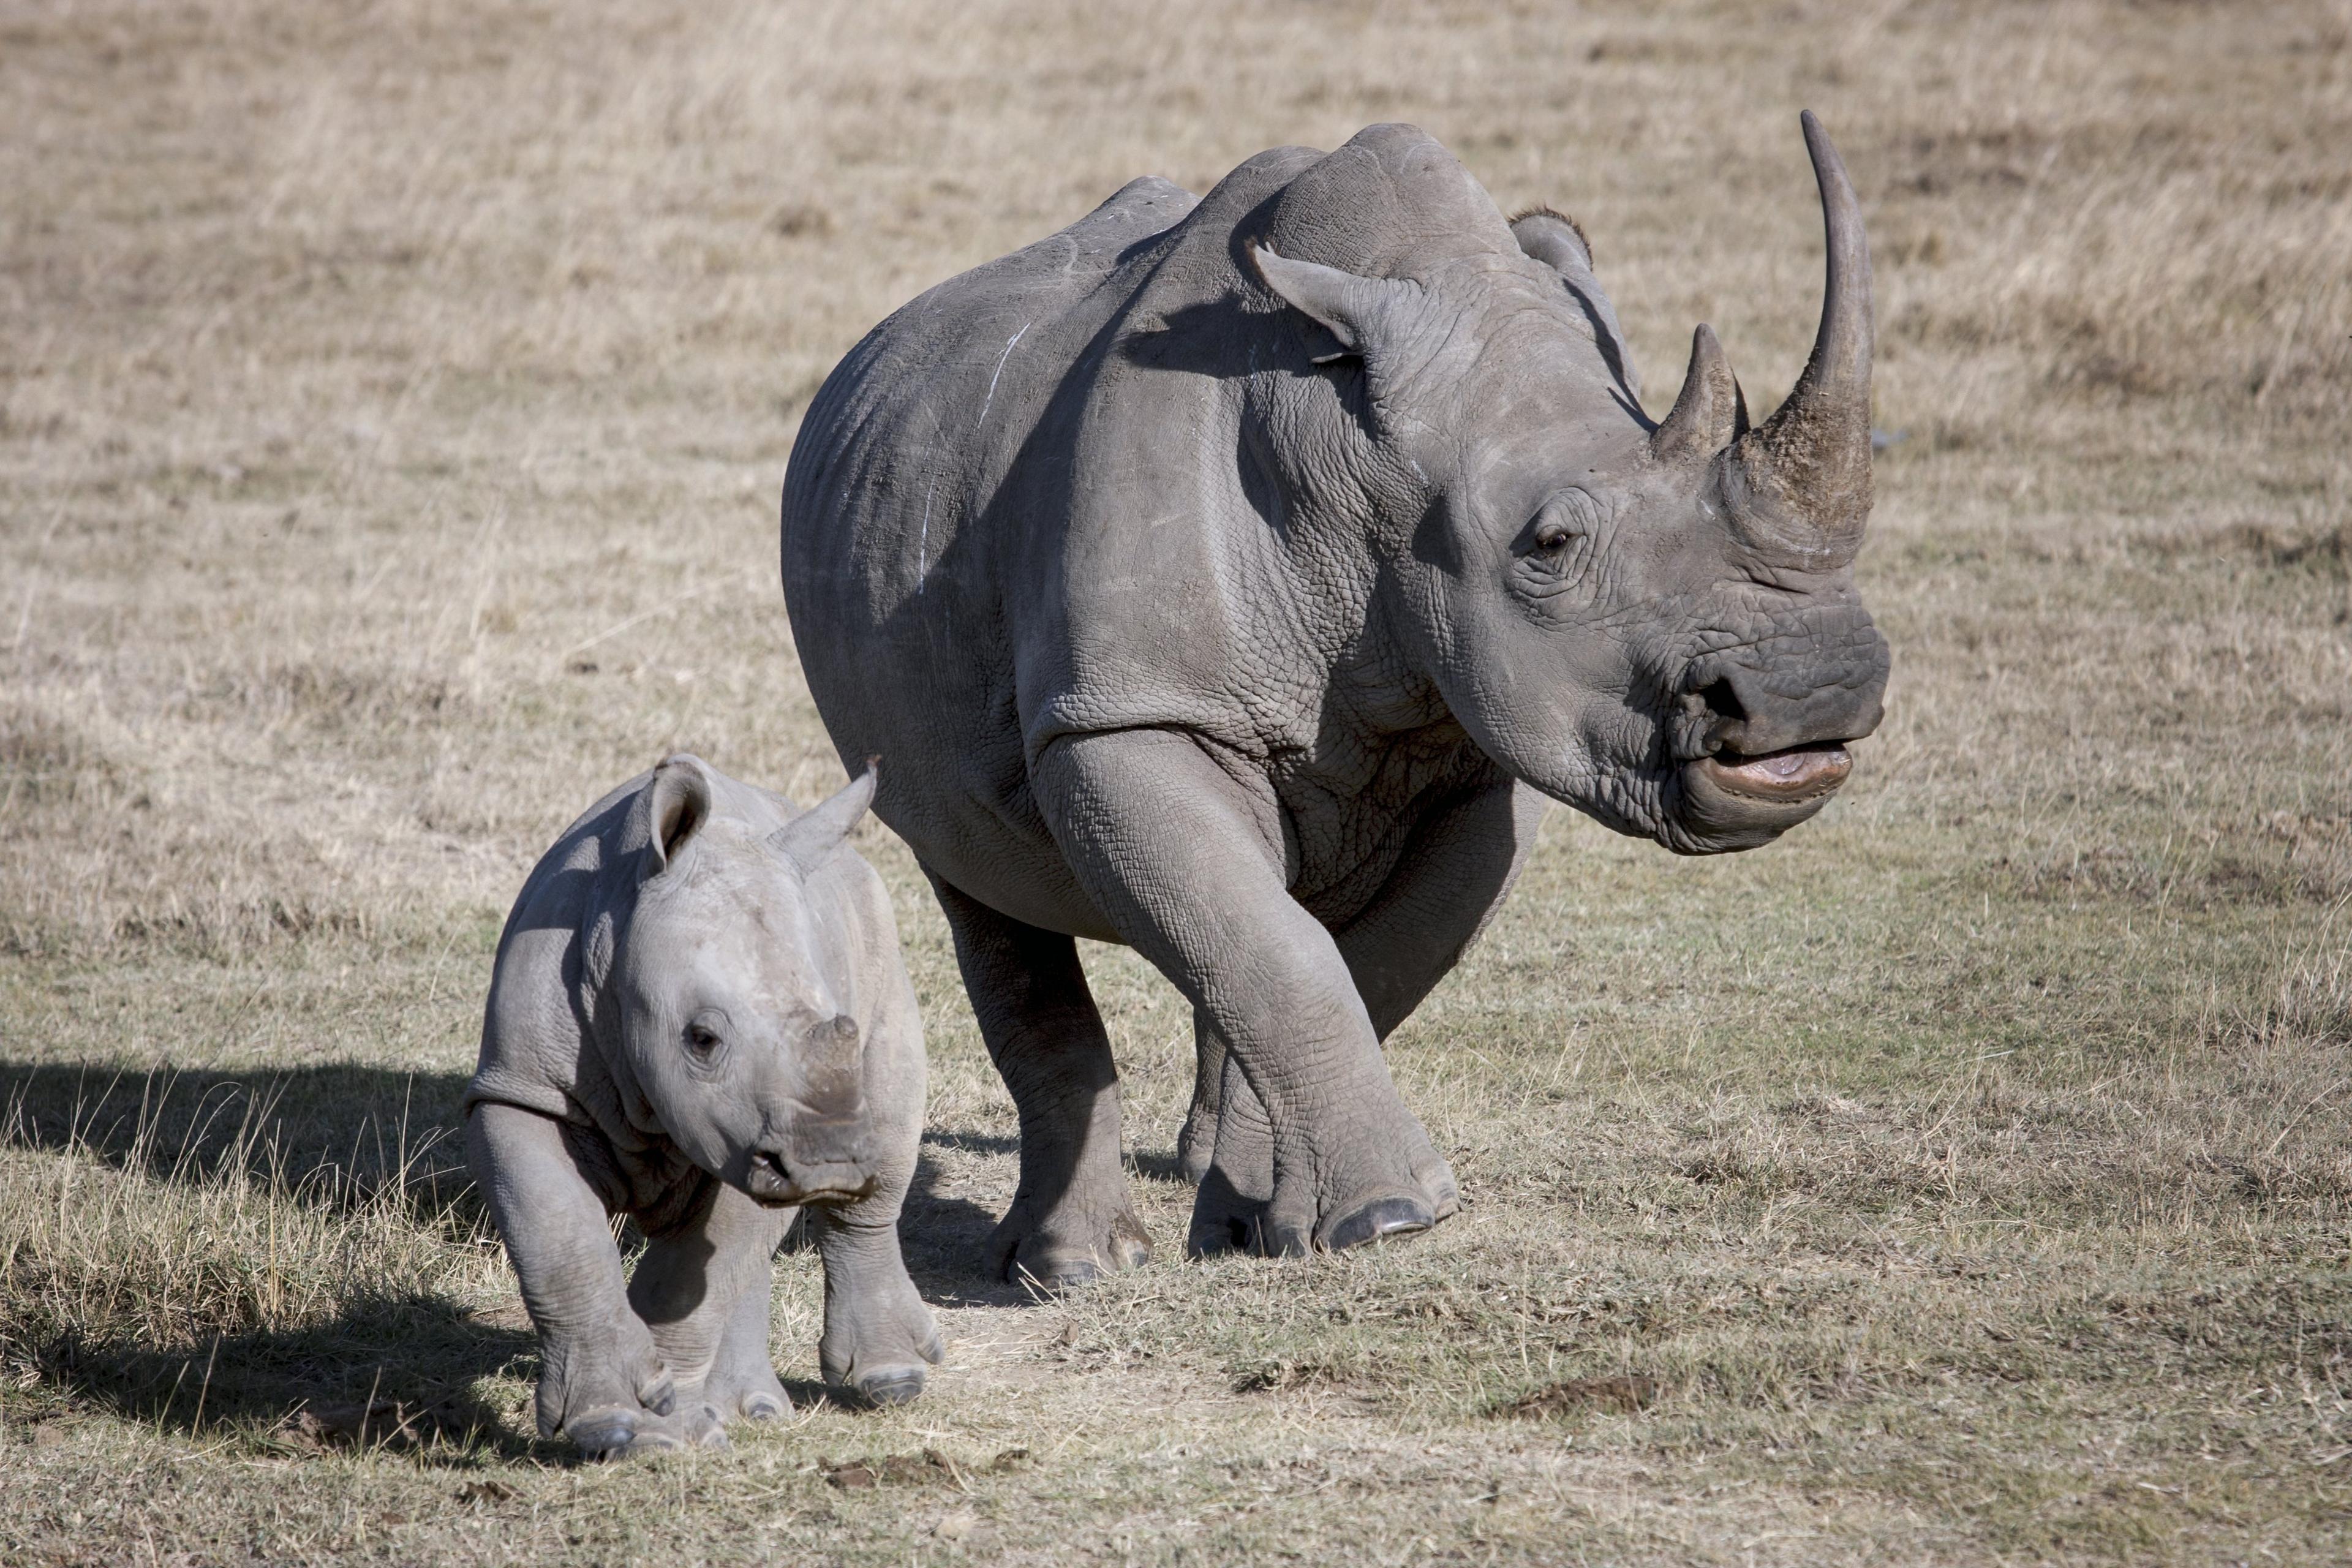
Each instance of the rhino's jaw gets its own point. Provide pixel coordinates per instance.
(1735, 802)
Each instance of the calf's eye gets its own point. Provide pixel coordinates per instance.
(703, 1035)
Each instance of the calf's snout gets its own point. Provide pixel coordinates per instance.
(820, 1147)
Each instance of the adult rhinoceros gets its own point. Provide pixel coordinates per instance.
(1234, 577)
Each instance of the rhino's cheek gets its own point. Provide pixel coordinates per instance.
(711, 1122)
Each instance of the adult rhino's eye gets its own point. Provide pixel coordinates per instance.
(1559, 541)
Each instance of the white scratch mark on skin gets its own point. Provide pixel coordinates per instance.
(1000, 370)
(1416, 469)
(923, 543)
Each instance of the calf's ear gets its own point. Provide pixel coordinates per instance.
(680, 805)
(1359, 311)
(810, 838)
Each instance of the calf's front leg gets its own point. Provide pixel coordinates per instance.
(602, 1382)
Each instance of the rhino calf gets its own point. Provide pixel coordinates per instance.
(699, 1018)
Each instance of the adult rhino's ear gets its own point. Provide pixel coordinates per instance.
(680, 805)
(809, 839)
(1359, 311)
(1558, 242)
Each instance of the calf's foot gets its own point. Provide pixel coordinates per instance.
(880, 1341)
(743, 1385)
(635, 1434)
(606, 1386)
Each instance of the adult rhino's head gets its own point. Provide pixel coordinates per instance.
(731, 1024)
(1656, 623)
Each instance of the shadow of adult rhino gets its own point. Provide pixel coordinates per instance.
(1235, 576)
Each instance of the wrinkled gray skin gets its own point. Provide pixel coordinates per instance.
(1233, 577)
(699, 1018)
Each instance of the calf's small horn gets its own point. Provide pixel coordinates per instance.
(1798, 486)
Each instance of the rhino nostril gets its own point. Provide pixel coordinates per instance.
(1722, 700)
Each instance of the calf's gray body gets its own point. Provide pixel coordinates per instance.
(1235, 576)
(699, 1018)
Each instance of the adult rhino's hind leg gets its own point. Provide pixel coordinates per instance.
(1196, 1144)
(1071, 1220)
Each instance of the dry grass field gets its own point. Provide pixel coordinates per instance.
(394, 403)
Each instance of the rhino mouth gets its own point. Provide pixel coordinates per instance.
(776, 1185)
(1790, 778)
(1736, 800)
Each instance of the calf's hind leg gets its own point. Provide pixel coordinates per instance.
(743, 1382)
(703, 1290)
(1071, 1221)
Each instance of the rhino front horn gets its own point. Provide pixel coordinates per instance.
(1798, 486)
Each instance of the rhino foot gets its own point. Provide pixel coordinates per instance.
(618, 1434)
(1233, 1212)
(1068, 1249)
(1196, 1147)
(892, 1385)
(1379, 1220)
(748, 1392)
(880, 1341)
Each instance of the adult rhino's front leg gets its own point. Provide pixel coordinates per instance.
(1456, 868)
(1187, 863)
(1071, 1220)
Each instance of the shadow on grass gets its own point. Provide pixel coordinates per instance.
(398, 1372)
(347, 1138)
(945, 1238)
(339, 1137)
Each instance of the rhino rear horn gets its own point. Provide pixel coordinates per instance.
(1798, 486)
(809, 839)
(1710, 413)
(678, 806)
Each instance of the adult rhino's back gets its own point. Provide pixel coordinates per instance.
(895, 543)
